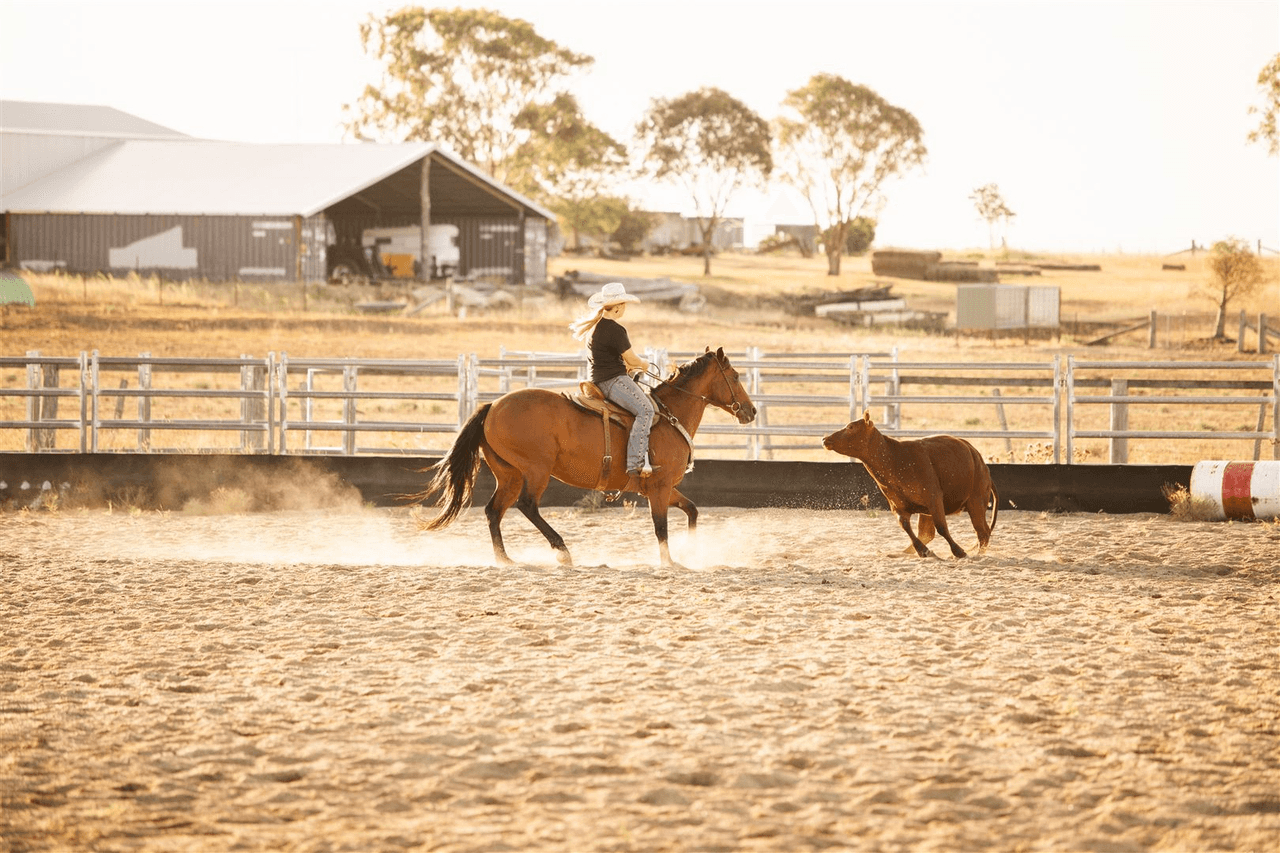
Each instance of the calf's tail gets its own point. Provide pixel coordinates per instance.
(995, 505)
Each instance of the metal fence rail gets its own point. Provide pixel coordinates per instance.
(298, 388)
(283, 405)
(1121, 403)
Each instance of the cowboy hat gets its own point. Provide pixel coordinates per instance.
(611, 294)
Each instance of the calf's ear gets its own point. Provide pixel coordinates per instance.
(866, 416)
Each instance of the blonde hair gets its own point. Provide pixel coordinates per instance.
(586, 323)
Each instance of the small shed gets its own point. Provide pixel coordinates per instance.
(993, 307)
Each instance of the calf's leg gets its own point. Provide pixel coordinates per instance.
(940, 522)
(977, 507)
(904, 519)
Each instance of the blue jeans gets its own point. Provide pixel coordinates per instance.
(624, 391)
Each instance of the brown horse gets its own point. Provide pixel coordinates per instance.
(932, 476)
(531, 435)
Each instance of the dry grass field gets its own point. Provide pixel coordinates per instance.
(748, 300)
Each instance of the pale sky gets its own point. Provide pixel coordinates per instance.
(1108, 126)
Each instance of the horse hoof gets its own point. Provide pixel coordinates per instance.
(563, 558)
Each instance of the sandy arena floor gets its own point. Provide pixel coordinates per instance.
(306, 681)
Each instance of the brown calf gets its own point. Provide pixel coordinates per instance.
(934, 477)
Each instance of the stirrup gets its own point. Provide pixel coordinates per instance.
(646, 469)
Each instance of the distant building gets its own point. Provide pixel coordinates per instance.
(674, 232)
(90, 189)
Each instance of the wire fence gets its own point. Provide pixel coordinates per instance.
(1062, 410)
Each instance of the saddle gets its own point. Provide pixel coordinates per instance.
(592, 399)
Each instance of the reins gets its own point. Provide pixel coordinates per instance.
(732, 409)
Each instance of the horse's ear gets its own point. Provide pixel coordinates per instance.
(720, 353)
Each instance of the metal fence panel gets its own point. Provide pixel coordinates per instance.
(360, 406)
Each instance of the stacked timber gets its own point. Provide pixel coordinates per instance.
(1012, 268)
(903, 263)
(678, 294)
(928, 266)
(962, 272)
(1069, 267)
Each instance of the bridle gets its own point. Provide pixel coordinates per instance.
(733, 408)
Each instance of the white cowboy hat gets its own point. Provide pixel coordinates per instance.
(611, 294)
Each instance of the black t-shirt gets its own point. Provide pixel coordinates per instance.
(609, 341)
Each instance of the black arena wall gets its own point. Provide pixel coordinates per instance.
(170, 481)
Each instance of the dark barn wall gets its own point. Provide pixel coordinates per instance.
(172, 246)
(173, 479)
(490, 247)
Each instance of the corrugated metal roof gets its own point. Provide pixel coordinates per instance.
(76, 120)
(201, 177)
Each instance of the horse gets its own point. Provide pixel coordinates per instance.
(530, 435)
(934, 476)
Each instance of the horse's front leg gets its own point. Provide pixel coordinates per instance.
(659, 503)
(690, 510)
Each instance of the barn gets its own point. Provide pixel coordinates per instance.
(90, 189)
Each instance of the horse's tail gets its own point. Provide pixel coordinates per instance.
(455, 474)
(995, 505)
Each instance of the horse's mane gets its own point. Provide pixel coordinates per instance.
(691, 370)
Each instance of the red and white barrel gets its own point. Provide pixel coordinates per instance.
(1238, 489)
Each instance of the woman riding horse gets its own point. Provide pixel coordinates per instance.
(533, 434)
(612, 358)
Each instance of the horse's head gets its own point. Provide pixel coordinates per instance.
(724, 387)
(853, 439)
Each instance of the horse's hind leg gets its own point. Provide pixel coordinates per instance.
(510, 485)
(528, 504)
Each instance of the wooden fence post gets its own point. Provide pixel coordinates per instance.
(1119, 421)
(1151, 334)
(1262, 333)
(119, 413)
(42, 407)
(1244, 324)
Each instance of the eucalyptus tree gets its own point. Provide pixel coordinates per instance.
(711, 143)
(572, 166)
(459, 77)
(1269, 83)
(991, 207)
(1235, 272)
(839, 143)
